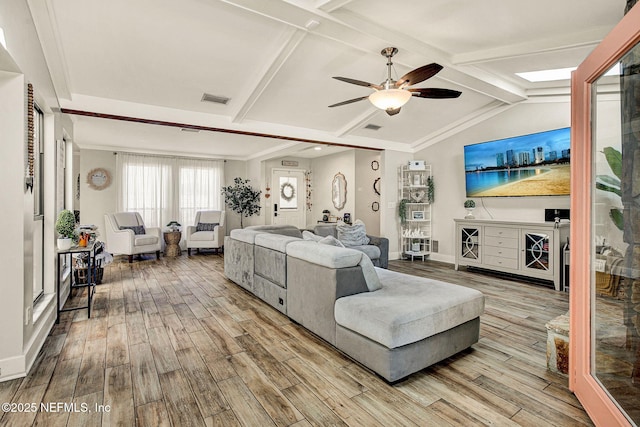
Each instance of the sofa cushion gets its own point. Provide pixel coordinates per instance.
(307, 235)
(206, 236)
(407, 309)
(145, 239)
(277, 242)
(370, 274)
(287, 230)
(206, 226)
(352, 235)
(373, 252)
(244, 235)
(137, 229)
(330, 240)
(324, 255)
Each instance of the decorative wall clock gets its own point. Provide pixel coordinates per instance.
(99, 178)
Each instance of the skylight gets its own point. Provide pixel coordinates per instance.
(559, 74)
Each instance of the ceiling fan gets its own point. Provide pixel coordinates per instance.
(391, 95)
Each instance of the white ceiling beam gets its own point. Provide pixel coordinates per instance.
(293, 39)
(568, 41)
(331, 5)
(45, 23)
(462, 124)
(354, 30)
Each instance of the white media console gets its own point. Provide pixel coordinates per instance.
(531, 249)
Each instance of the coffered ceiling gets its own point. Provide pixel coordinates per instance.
(154, 60)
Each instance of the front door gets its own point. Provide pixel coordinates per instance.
(289, 196)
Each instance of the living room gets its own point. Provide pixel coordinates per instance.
(98, 102)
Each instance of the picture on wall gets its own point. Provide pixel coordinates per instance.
(528, 165)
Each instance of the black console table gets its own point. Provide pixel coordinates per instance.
(90, 251)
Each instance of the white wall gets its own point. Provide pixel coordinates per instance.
(447, 162)
(95, 204)
(324, 169)
(23, 332)
(365, 195)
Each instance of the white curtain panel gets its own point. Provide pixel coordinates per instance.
(199, 184)
(163, 189)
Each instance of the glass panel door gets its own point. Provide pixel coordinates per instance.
(536, 251)
(615, 287)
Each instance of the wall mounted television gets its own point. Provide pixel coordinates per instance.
(536, 164)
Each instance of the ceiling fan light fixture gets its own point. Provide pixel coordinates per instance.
(390, 99)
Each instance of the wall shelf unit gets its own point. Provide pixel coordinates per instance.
(415, 232)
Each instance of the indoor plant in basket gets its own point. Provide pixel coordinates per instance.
(65, 226)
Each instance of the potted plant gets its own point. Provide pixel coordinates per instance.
(469, 205)
(242, 198)
(402, 210)
(174, 226)
(65, 226)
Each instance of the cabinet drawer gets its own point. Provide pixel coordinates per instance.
(501, 242)
(501, 262)
(501, 252)
(511, 233)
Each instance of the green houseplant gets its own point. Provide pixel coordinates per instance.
(402, 210)
(469, 205)
(65, 226)
(613, 184)
(242, 198)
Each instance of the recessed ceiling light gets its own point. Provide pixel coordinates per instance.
(318, 148)
(3, 42)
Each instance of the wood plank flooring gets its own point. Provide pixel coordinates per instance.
(173, 342)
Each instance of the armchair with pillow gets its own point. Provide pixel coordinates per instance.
(127, 235)
(208, 231)
(355, 237)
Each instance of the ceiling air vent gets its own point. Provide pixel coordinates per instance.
(207, 97)
(371, 126)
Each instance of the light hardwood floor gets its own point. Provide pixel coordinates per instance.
(172, 342)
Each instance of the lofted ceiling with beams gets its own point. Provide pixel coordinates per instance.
(154, 60)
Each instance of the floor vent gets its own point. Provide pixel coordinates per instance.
(371, 126)
(207, 97)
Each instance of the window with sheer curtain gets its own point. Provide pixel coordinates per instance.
(163, 189)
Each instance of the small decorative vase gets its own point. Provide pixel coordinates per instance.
(469, 214)
(64, 243)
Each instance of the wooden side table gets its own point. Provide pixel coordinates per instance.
(172, 239)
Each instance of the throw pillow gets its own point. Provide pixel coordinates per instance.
(352, 235)
(137, 229)
(206, 226)
(307, 235)
(330, 240)
(370, 274)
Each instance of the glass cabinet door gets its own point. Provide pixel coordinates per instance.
(470, 243)
(536, 251)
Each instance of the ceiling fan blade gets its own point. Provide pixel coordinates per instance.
(418, 75)
(358, 82)
(434, 92)
(349, 101)
(392, 111)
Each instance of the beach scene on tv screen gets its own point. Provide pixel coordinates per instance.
(529, 165)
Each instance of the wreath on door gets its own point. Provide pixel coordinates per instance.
(287, 191)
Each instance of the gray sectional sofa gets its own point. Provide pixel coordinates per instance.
(394, 324)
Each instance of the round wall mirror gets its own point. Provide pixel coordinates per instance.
(339, 191)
